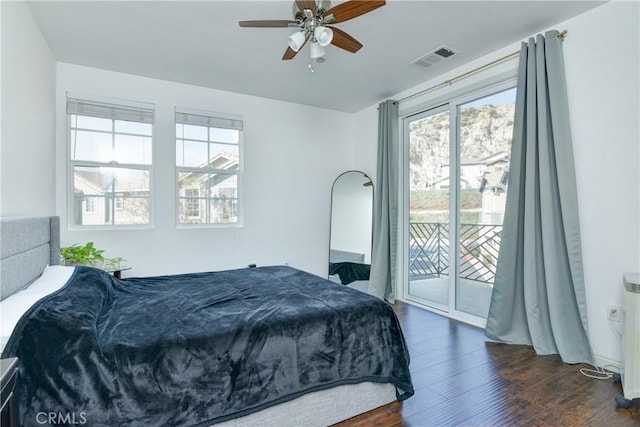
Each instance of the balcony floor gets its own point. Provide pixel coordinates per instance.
(473, 297)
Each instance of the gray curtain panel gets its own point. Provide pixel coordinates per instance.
(538, 296)
(382, 280)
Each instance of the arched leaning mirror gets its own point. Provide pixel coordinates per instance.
(351, 227)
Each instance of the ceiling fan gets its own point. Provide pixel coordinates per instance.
(313, 19)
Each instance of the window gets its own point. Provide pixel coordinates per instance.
(110, 162)
(192, 203)
(90, 205)
(209, 167)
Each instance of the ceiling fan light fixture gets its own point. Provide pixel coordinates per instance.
(313, 18)
(317, 51)
(323, 35)
(296, 40)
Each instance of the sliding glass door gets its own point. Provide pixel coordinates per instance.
(457, 166)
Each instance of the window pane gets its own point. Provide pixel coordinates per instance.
(485, 156)
(133, 149)
(192, 211)
(110, 196)
(188, 181)
(192, 190)
(93, 123)
(195, 132)
(92, 146)
(192, 154)
(224, 193)
(223, 211)
(224, 135)
(223, 156)
(223, 185)
(130, 182)
(429, 208)
(135, 210)
(217, 193)
(137, 128)
(486, 129)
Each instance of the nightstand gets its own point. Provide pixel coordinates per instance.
(118, 273)
(9, 414)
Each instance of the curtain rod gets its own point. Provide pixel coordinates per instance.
(560, 35)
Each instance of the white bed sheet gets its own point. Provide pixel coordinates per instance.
(12, 308)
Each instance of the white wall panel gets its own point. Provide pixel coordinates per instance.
(27, 174)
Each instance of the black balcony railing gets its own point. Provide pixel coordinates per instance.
(429, 250)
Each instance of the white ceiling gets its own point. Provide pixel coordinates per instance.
(200, 43)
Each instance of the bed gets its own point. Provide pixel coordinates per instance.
(259, 346)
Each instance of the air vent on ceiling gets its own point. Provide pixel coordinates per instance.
(435, 56)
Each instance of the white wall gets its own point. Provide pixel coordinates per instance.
(27, 173)
(601, 54)
(289, 169)
(601, 58)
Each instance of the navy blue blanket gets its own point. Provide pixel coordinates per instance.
(199, 348)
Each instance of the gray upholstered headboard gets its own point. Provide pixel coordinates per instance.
(27, 245)
(345, 256)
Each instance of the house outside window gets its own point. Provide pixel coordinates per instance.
(208, 167)
(110, 152)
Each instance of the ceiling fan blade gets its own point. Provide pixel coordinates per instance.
(344, 40)
(351, 9)
(307, 4)
(290, 53)
(268, 23)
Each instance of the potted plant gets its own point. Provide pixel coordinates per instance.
(91, 256)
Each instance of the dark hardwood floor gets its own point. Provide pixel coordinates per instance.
(461, 379)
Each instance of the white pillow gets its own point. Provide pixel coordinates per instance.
(12, 308)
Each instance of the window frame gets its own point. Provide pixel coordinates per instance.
(72, 164)
(237, 202)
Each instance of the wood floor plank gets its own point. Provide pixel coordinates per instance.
(552, 390)
(428, 399)
(584, 405)
(455, 385)
(388, 415)
(511, 411)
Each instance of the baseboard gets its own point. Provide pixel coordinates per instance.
(605, 362)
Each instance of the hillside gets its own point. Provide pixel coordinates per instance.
(485, 130)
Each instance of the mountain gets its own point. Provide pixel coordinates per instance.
(484, 130)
